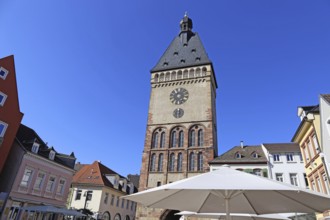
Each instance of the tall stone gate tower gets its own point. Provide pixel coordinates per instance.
(181, 135)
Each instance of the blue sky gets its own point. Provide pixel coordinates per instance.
(83, 68)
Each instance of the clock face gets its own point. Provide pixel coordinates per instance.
(178, 113)
(179, 96)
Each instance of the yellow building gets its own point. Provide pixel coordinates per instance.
(308, 136)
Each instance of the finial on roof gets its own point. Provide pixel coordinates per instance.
(186, 23)
(186, 14)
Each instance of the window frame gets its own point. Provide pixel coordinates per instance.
(52, 186)
(277, 157)
(290, 157)
(3, 131)
(4, 97)
(294, 179)
(38, 184)
(200, 161)
(61, 186)
(160, 162)
(26, 182)
(191, 162)
(6, 72)
(279, 177)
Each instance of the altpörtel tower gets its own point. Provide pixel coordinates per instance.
(181, 134)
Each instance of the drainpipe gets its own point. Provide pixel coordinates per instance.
(325, 162)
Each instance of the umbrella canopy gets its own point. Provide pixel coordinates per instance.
(234, 216)
(230, 191)
(43, 208)
(52, 209)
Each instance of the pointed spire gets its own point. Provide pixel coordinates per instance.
(186, 23)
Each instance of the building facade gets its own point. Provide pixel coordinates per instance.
(10, 114)
(285, 163)
(325, 130)
(250, 159)
(98, 188)
(181, 134)
(308, 137)
(35, 174)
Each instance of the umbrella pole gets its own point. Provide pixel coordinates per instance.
(227, 209)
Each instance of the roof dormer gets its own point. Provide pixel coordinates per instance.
(52, 154)
(35, 147)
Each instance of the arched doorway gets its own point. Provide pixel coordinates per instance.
(170, 215)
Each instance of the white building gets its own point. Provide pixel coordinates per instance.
(285, 163)
(250, 159)
(325, 130)
(98, 189)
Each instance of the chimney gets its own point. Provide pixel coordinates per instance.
(242, 144)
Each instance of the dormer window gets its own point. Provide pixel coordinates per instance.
(3, 73)
(255, 155)
(35, 147)
(238, 155)
(52, 155)
(3, 98)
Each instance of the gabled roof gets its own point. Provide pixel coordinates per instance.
(27, 137)
(246, 153)
(326, 97)
(186, 50)
(94, 174)
(282, 147)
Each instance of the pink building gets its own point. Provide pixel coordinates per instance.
(35, 175)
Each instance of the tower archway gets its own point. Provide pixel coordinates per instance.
(170, 215)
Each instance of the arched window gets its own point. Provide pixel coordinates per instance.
(255, 155)
(238, 155)
(117, 217)
(191, 161)
(179, 74)
(154, 143)
(200, 161)
(153, 162)
(171, 162)
(173, 139)
(156, 78)
(179, 164)
(204, 71)
(198, 72)
(200, 138)
(106, 216)
(181, 138)
(160, 162)
(168, 76)
(162, 140)
(191, 73)
(192, 138)
(185, 74)
(127, 217)
(173, 75)
(162, 77)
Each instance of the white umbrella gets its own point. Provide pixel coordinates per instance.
(234, 216)
(227, 190)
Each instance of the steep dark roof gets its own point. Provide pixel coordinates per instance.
(311, 109)
(185, 50)
(282, 147)
(246, 156)
(27, 136)
(326, 97)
